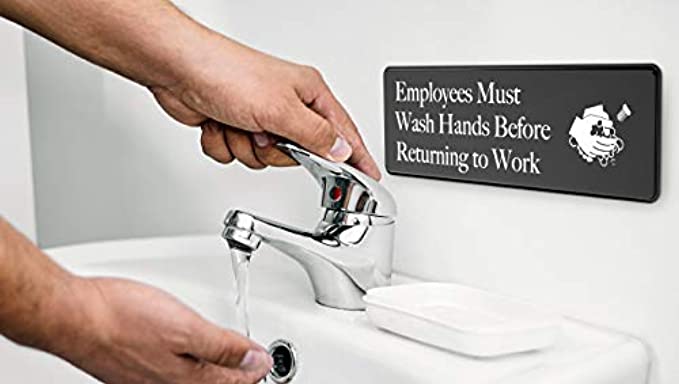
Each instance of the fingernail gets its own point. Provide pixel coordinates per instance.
(261, 139)
(256, 361)
(341, 150)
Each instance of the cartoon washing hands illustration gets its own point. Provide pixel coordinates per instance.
(595, 137)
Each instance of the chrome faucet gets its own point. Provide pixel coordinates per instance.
(349, 251)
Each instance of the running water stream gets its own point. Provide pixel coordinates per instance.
(240, 260)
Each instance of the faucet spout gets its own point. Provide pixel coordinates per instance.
(344, 256)
(350, 249)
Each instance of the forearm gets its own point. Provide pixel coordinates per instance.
(39, 301)
(148, 41)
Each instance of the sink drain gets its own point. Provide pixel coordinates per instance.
(284, 362)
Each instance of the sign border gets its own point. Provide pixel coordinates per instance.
(653, 67)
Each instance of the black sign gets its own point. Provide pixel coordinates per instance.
(586, 129)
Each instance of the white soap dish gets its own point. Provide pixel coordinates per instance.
(461, 319)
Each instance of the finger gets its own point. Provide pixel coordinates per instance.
(240, 145)
(213, 142)
(296, 122)
(267, 153)
(215, 345)
(213, 374)
(360, 157)
(318, 96)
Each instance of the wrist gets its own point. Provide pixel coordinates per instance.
(41, 302)
(73, 320)
(194, 61)
(182, 56)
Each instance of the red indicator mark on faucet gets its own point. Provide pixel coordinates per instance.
(335, 193)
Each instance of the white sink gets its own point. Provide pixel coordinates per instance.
(333, 346)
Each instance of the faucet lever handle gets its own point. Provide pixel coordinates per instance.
(345, 188)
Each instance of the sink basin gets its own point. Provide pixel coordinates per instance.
(333, 346)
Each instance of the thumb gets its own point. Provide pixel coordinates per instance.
(225, 348)
(312, 131)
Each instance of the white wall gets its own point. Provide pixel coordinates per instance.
(109, 164)
(16, 181)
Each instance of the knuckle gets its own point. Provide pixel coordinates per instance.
(234, 348)
(272, 156)
(241, 149)
(266, 155)
(255, 166)
(344, 120)
(225, 158)
(205, 144)
(312, 72)
(221, 155)
(207, 152)
(323, 134)
(271, 116)
(249, 160)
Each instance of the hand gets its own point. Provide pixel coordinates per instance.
(595, 138)
(138, 334)
(245, 100)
